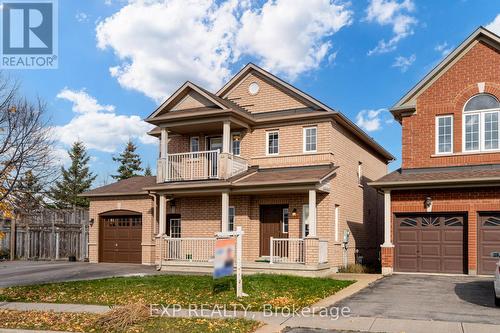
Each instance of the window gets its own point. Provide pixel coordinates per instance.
(310, 139)
(236, 144)
(175, 228)
(444, 135)
(336, 223)
(360, 173)
(305, 220)
(272, 145)
(285, 220)
(231, 218)
(480, 129)
(194, 144)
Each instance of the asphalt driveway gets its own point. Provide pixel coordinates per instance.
(427, 297)
(14, 273)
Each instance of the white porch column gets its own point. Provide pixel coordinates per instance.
(226, 136)
(387, 219)
(164, 143)
(163, 215)
(225, 212)
(312, 213)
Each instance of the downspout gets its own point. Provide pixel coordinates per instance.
(155, 216)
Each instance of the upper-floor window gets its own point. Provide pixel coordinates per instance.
(236, 142)
(360, 173)
(480, 124)
(272, 143)
(444, 134)
(194, 144)
(310, 139)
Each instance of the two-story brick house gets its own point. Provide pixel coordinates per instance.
(259, 154)
(442, 208)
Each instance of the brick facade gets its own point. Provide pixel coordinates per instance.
(476, 69)
(447, 96)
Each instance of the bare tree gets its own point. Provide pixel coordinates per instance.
(25, 141)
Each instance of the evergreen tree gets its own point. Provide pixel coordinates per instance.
(75, 180)
(29, 193)
(147, 171)
(130, 162)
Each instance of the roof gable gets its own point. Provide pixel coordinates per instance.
(408, 101)
(188, 96)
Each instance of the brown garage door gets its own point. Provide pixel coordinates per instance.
(121, 239)
(488, 241)
(432, 243)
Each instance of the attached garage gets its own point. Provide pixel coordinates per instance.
(120, 237)
(488, 241)
(431, 243)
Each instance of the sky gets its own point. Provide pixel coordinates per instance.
(120, 59)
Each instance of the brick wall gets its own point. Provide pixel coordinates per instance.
(447, 96)
(470, 201)
(140, 204)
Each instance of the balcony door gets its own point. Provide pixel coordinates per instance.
(213, 143)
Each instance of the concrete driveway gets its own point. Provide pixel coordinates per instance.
(427, 297)
(15, 273)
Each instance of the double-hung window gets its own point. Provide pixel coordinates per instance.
(194, 144)
(235, 146)
(480, 124)
(310, 139)
(272, 143)
(285, 220)
(444, 134)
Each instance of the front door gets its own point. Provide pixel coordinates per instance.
(271, 225)
(213, 143)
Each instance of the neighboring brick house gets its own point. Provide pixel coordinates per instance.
(442, 208)
(259, 154)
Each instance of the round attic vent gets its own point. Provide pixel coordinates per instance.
(253, 88)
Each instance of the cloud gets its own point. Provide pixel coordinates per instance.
(443, 48)
(371, 120)
(494, 26)
(98, 126)
(82, 17)
(290, 37)
(395, 14)
(403, 63)
(156, 54)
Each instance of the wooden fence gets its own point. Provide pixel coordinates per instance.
(49, 234)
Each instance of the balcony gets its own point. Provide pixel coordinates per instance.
(202, 165)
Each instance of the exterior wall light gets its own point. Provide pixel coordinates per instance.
(428, 204)
(294, 212)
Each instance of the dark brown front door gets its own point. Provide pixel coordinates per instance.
(431, 243)
(121, 239)
(488, 241)
(271, 225)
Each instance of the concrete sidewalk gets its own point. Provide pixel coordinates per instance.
(276, 323)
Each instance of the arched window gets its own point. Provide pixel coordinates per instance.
(480, 125)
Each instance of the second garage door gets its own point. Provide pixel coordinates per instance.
(431, 243)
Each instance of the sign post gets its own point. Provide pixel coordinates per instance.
(224, 255)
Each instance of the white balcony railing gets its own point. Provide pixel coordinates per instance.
(287, 250)
(188, 249)
(201, 165)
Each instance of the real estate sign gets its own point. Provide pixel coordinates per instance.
(224, 257)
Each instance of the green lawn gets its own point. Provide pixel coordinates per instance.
(277, 290)
(85, 322)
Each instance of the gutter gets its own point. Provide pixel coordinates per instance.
(458, 181)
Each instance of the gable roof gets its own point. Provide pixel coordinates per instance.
(309, 100)
(184, 90)
(408, 102)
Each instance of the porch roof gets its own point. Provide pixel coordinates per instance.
(459, 176)
(257, 179)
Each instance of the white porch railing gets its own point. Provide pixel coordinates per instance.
(287, 250)
(323, 251)
(189, 249)
(210, 164)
